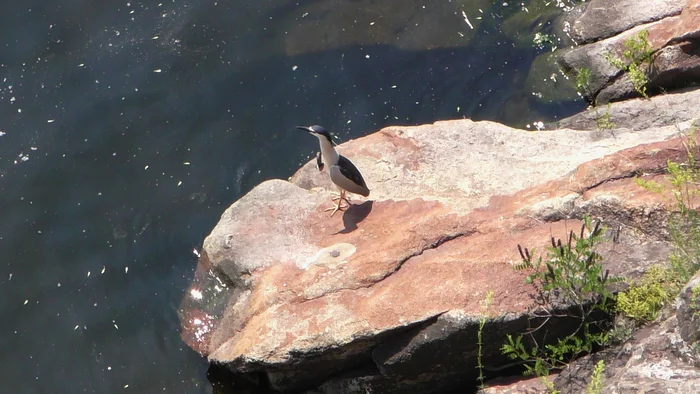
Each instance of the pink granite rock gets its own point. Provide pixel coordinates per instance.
(392, 290)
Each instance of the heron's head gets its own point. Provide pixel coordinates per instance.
(318, 131)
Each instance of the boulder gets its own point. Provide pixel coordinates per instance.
(688, 315)
(388, 296)
(639, 114)
(674, 38)
(599, 19)
(516, 385)
(661, 357)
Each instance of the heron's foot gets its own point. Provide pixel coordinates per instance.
(340, 197)
(337, 207)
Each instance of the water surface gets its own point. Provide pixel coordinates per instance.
(127, 127)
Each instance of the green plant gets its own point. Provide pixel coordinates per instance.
(684, 225)
(636, 59)
(645, 298)
(549, 385)
(595, 386)
(583, 80)
(695, 301)
(570, 283)
(479, 338)
(621, 331)
(603, 122)
(639, 79)
(542, 40)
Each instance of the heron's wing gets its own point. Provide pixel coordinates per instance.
(348, 177)
(319, 161)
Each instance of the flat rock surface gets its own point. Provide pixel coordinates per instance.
(639, 114)
(462, 164)
(392, 289)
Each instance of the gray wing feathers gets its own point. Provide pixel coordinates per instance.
(348, 177)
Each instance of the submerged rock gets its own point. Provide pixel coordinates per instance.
(411, 26)
(546, 81)
(536, 17)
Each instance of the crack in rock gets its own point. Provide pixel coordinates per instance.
(440, 241)
(631, 174)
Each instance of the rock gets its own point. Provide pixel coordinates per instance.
(674, 65)
(516, 385)
(592, 57)
(401, 163)
(638, 114)
(654, 361)
(688, 315)
(600, 19)
(660, 358)
(673, 39)
(388, 296)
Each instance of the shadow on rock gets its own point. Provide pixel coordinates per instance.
(354, 215)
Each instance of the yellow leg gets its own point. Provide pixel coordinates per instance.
(340, 196)
(336, 204)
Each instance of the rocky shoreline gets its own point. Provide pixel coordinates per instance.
(389, 297)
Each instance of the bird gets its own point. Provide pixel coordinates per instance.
(342, 172)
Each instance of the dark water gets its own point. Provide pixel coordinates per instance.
(128, 127)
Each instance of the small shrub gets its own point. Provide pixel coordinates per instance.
(548, 385)
(572, 274)
(479, 339)
(595, 386)
(622, 330)
(644, 299)
(684, 226)
(695, 301)
(603, 122)
(636, 59)
(583, 80)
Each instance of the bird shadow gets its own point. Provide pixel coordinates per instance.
(354, 215)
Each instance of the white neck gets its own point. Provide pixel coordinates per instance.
(330, 156)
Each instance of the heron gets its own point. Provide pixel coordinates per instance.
(342, 172)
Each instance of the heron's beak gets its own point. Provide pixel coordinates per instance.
(304, 128)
